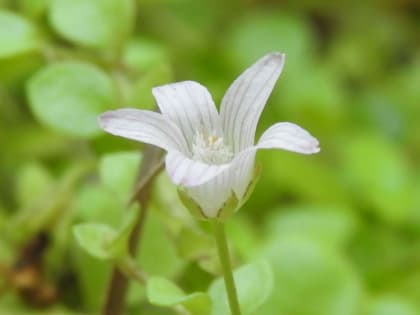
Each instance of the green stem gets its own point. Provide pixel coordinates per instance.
(219, 233)
(129, 268)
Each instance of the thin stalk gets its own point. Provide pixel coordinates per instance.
(129, 268)
(220, 235)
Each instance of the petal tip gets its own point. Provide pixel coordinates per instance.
(276, 56)
(313, 146)
(307, 150)
(174, 85)
(103, 119)
(106, 119)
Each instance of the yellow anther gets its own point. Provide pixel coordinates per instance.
(212, 139)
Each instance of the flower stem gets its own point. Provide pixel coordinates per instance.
(219, 233)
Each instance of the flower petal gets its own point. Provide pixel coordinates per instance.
(190, 106)
(212, 195)
(144, 126)
(187, 172)
(245, 99)
(244, 165)
(290, 137)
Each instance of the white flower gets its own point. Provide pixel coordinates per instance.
(210, 154)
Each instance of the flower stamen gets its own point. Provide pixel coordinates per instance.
(210, 149)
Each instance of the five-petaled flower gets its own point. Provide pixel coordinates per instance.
(211, 155)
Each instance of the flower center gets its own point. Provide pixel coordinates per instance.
(210, 149)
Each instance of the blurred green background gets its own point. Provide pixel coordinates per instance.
(341, 229)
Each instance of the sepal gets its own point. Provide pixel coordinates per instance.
(251, 186)
(229, 206)
(191, 205)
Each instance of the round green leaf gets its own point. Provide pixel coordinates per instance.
(17, 35)
(16, 69)
(262, 32)
(104, 242)
(285, 175)
(144, 54)
(69, 96)
(163, 292)
(254, 283)
(391, 305)
(92, 202)
(34, 9)
(93, 277)
(383, 179)
(310, 280)
(96, 23)
(141, 95)
(193, 244)
(118, 173)
(33, 181)
(94, 238)
(327, 224)
(118, 246)
(159, 255)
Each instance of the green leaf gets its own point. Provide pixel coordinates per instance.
(17, 35)
(262, 32)
(7, 254)
(92, 202)
(33, 183)
(144, 54)
(44, 213)
(326, 224)
(16, 69)
(254, 283)
(162, 292)
(94, 238)
(102, 241)
(316, 106)
(284, 177)
(95, 23)
(244, 235)
(142, 96)
(158, 254)
(391, 305)
(93, 277)
(68, 97)
(382, 180)
(118, 246)
(310, 279)
(34, 8)
(194, 244)
(118, 172)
